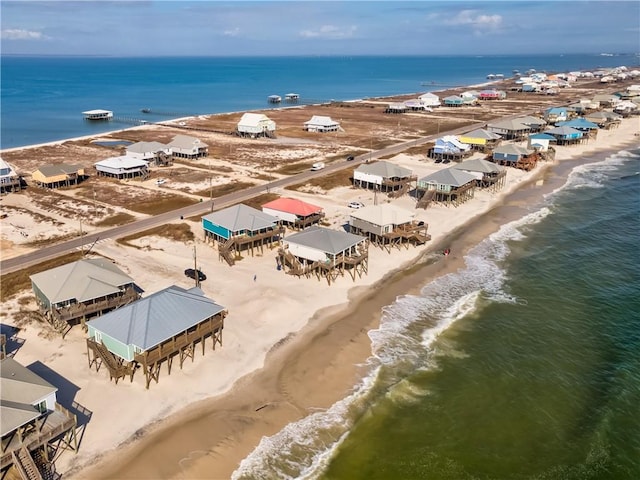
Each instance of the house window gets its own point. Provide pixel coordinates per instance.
(42, 406)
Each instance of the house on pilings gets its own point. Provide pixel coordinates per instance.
(449, 148)
(154, 330)
(388, 226)
(488, 175)
(512, 129)
(324, 253)
(294, 213)
(448, 186)
(240, 228)
(58, 175)
(481, 140)
(73, 293)
(516, 156)
(384, 177)
(10, 181)
(155, 153)
(34, 425)
(256, 125)
(567, 135)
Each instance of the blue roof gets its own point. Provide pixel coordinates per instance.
(578, 123)
(542, 136)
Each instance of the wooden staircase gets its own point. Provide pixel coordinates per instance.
(425, 200)
(225, 251)
(117, 369)
(25, 464)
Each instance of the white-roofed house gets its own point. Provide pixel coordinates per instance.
(430, 99)
(153, 330)
(386, 225)
(322, 124)
(186, 146)
(238, 228)
(488, 174)
(256, 125)
(325, 253)
(31, 419)
(384, 176)
(71, 293)
(448, 186)
(122, 167)
(396, 107)
(153, 152)
(10, 181)
(449, 148)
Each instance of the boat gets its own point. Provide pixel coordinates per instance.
(146, 110)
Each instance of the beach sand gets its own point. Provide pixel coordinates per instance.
(290, 346)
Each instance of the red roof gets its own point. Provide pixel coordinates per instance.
(292, 205)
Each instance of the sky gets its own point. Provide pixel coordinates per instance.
(237, 28)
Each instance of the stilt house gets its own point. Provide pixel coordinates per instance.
(488, 175)
(324, 253)
(566, 135)
(510, 129)
(385, 177)
(321, 124)
(386, 225)
(72, 293)
(294, 213)
(449, 186)
(10, 181)
(32, 421)
(154, 330)
(239, 228)
(512, 155)
(255, 125)
(481, 140)
(122, 167)
(449, 148)
(58, 175)
(155, 153)
(185, 146)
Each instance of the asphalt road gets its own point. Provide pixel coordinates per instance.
(46, 253)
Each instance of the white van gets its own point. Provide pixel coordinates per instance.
(317, 166)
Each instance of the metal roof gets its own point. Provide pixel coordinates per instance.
(241, 217)
(482, 133)
(152, 320)
(122, 162)
(82, 280)
(513, 125)
(146, 147)
(564, 130)
(478, 165)
(326, 240)
(512, 148)
(293, 205)
(384, 169)
(51, 170)
(185, 141)
(321, 120)
(578, 123)
(253, 119)
(531, 120)
(384, 214)
(20, 390)
(449, 176)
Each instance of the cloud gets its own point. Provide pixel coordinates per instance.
(18, 34)
(478, 21)
(329, 31)
(234, 32)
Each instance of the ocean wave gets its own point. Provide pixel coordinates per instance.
(403, 343)
(593, 175)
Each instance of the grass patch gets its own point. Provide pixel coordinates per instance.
(117, 219)
(179, 233)
(257, 202)
(294, 168)
(220, 190)
(13, 283)
(341, 178)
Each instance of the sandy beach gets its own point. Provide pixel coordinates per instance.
(290, 346)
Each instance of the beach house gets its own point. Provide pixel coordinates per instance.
(453, 101)
(488, 175)
(541, 142)
(386, 226)
(186, 146)
(449, 186)
(511, 129)
(10, 181)
(556, 114)
(239, 228)
(255, 125)
(481, 140)
(324, 253)
(74, 292)
(566, 135)
(397, 107)
(512, 155)
(293, 212)
(449, 148)
(32, 421)
(321, 124)
(385, 177)
(155, 153)
(429, 99)
(604, 119)
(122, 167)
(154, 330)
(58, 175)
(535, 124)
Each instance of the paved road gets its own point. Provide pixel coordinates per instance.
(46, 253)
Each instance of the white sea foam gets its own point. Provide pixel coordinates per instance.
(403, 343)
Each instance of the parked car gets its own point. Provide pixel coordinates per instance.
(317, 166)
(191, 273)
(160, 181)
(350, 158)
(356, 205)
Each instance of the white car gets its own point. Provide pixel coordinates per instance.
(160, 181)
(355, 205)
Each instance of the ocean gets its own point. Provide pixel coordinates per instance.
(42, 98)
(522, 365)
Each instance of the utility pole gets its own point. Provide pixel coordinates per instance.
(81, 244)
(95, 210)
(196, 274)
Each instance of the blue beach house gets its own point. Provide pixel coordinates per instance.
(510, 154)
(240, 227)
(556, 114)
(566, 135)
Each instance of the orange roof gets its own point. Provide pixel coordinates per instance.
(292, 205)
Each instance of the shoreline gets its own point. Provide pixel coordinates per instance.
(255, 407)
